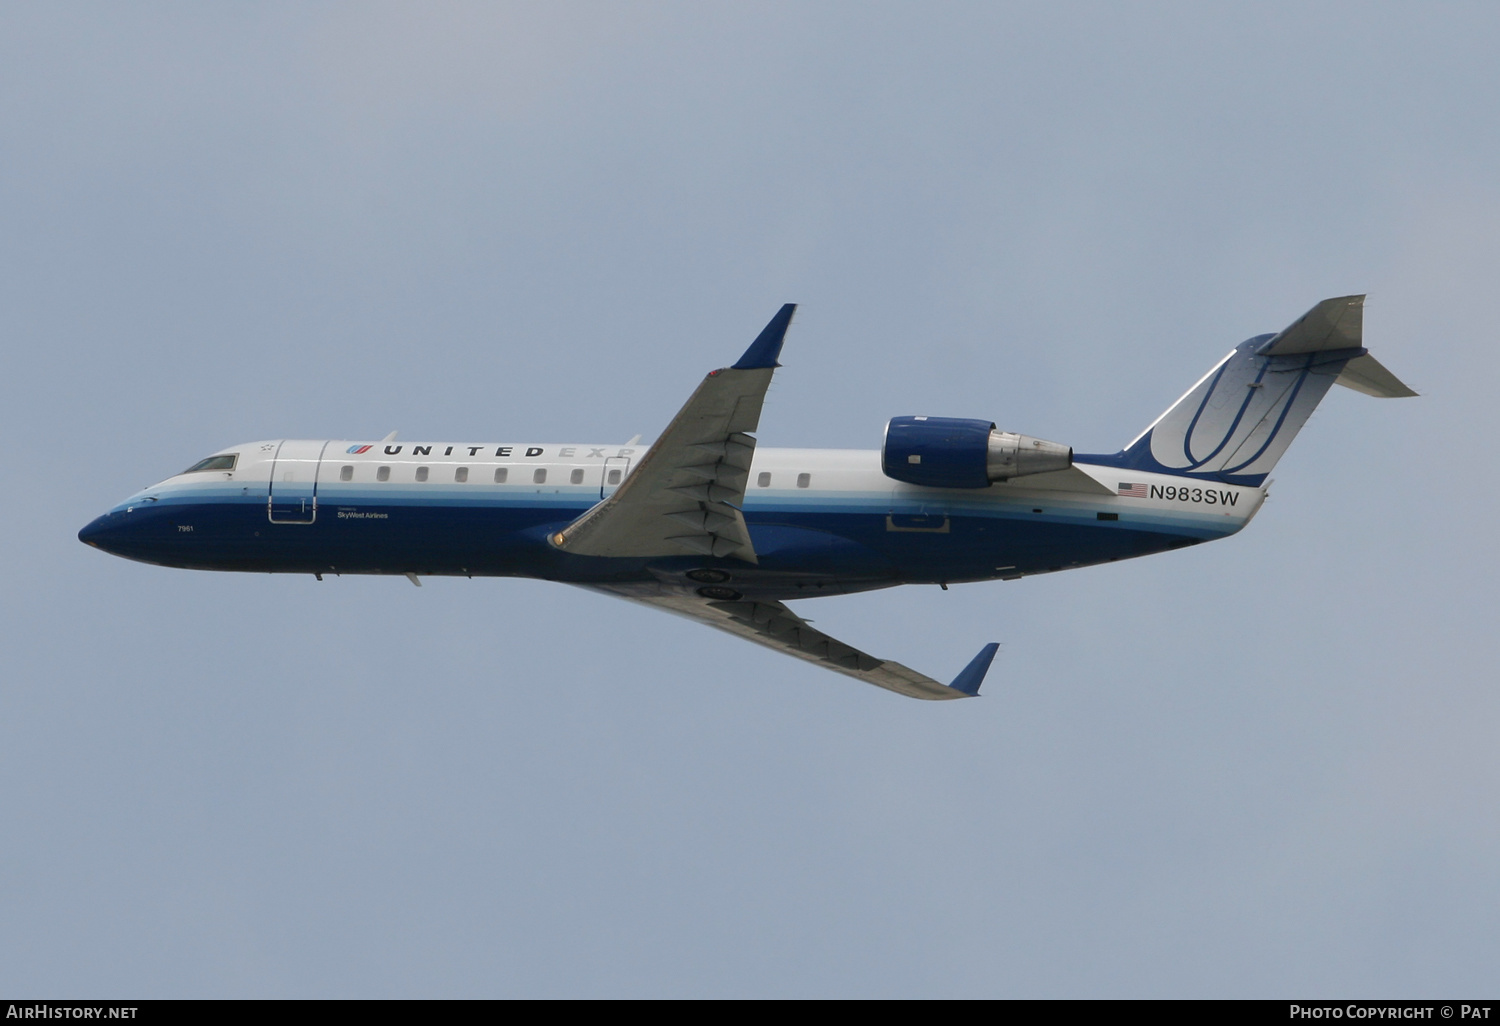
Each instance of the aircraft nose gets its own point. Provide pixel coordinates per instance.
(102, 532)
(94, 530)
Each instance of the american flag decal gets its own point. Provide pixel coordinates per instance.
(1135, 491)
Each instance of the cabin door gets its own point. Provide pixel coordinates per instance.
(615, 468)
(294, 482)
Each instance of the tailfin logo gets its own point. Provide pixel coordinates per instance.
(357, 449)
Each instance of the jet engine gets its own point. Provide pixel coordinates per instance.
(951, 452)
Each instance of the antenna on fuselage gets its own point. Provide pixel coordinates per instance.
(635, 440)
(390, 437)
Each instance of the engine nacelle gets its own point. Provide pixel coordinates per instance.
(951, 452)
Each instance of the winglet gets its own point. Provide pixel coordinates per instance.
(972, 676)
(767, 345)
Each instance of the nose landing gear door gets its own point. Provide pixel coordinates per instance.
(294, 482)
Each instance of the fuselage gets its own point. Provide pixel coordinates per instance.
(823, 521)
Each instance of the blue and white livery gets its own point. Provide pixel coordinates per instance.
(706, 524)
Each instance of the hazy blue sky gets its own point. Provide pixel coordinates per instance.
(1263, 767)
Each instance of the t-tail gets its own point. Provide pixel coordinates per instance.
(1234, 424)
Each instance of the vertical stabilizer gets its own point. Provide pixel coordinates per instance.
(1234, 424)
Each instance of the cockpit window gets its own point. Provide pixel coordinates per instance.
(214, 463)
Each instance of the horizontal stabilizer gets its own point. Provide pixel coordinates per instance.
(1332, 324)
(1365, 374)
(1339, 324)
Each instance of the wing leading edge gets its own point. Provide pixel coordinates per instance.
(685, 495)
(775, 626)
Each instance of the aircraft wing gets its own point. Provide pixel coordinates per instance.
(775, 626)
(685, 494)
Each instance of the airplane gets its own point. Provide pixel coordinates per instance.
(706, 524)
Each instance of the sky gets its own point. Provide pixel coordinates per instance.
(1265, 767)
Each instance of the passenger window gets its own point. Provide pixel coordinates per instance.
(346, 473)
(539, 477)
(764, 480)
(576, 477)
(803, 480)
(461, 474)
(213, 463)
(383, 474)
(501, 473)
(614, 476)
(421, 473)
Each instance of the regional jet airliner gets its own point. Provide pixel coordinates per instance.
(706, 524)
